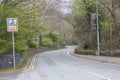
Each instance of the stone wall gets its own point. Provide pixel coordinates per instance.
(6, 61)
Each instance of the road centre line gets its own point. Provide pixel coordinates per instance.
(100, 76)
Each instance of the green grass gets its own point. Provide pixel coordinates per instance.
(23, 64)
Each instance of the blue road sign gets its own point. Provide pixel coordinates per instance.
(10, 21)
(12, 24)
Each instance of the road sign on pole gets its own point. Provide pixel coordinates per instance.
(93, 21)
(12, 26)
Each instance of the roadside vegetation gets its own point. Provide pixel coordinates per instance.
(42, 25)
(31, 34)
(109, 23)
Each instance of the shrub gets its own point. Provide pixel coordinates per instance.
(47, 42)
(33, 44)
(21, 49)
(62, 42)
(80, 50)
(54, 36)
(5, 46)
(21, 46)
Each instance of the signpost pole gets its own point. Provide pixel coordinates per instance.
(98, 35)
(12, 26)
(13, 50)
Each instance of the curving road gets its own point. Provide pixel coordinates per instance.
(60, 65)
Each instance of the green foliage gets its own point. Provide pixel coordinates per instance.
(33, 44)
(29, 26)
(47, 42)
(108, 24)
(105, 25)
(21, 49)
(62, 42)
(82, 17)
(6, 38)
(5, 46)
(54, 36)
(53, 39)
(21, 46)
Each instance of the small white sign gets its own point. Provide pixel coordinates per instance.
(12, 24)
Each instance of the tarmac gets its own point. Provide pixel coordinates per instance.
(30, 66)
(105, 59)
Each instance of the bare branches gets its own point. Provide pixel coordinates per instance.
(111, 7)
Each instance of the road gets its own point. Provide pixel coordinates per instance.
(60, 65)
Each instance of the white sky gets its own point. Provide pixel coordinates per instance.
(61, 5)
(65, 6)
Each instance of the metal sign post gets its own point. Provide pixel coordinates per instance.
(12, 26)
(13, 49)
(98, 33)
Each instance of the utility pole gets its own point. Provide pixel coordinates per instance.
(113, 25)
(98, 33)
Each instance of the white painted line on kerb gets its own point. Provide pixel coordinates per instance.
(69, 53)
(100, 76)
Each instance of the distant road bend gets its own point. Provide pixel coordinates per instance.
(60, 65)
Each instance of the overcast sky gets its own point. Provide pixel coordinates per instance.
(65, 6)
(61, 5)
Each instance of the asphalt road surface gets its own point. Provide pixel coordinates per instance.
(60, 65)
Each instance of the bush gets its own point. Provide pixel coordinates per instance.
(54, 36)
(21, 49)
(21, 46)
(80, 50)
(33, 44)
(5, 46)
(47, 42)
(85, 52)
(62, 42)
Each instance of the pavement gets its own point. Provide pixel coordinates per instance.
(104, 59)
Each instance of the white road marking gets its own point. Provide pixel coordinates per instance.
(100, 76)
(69, 53)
